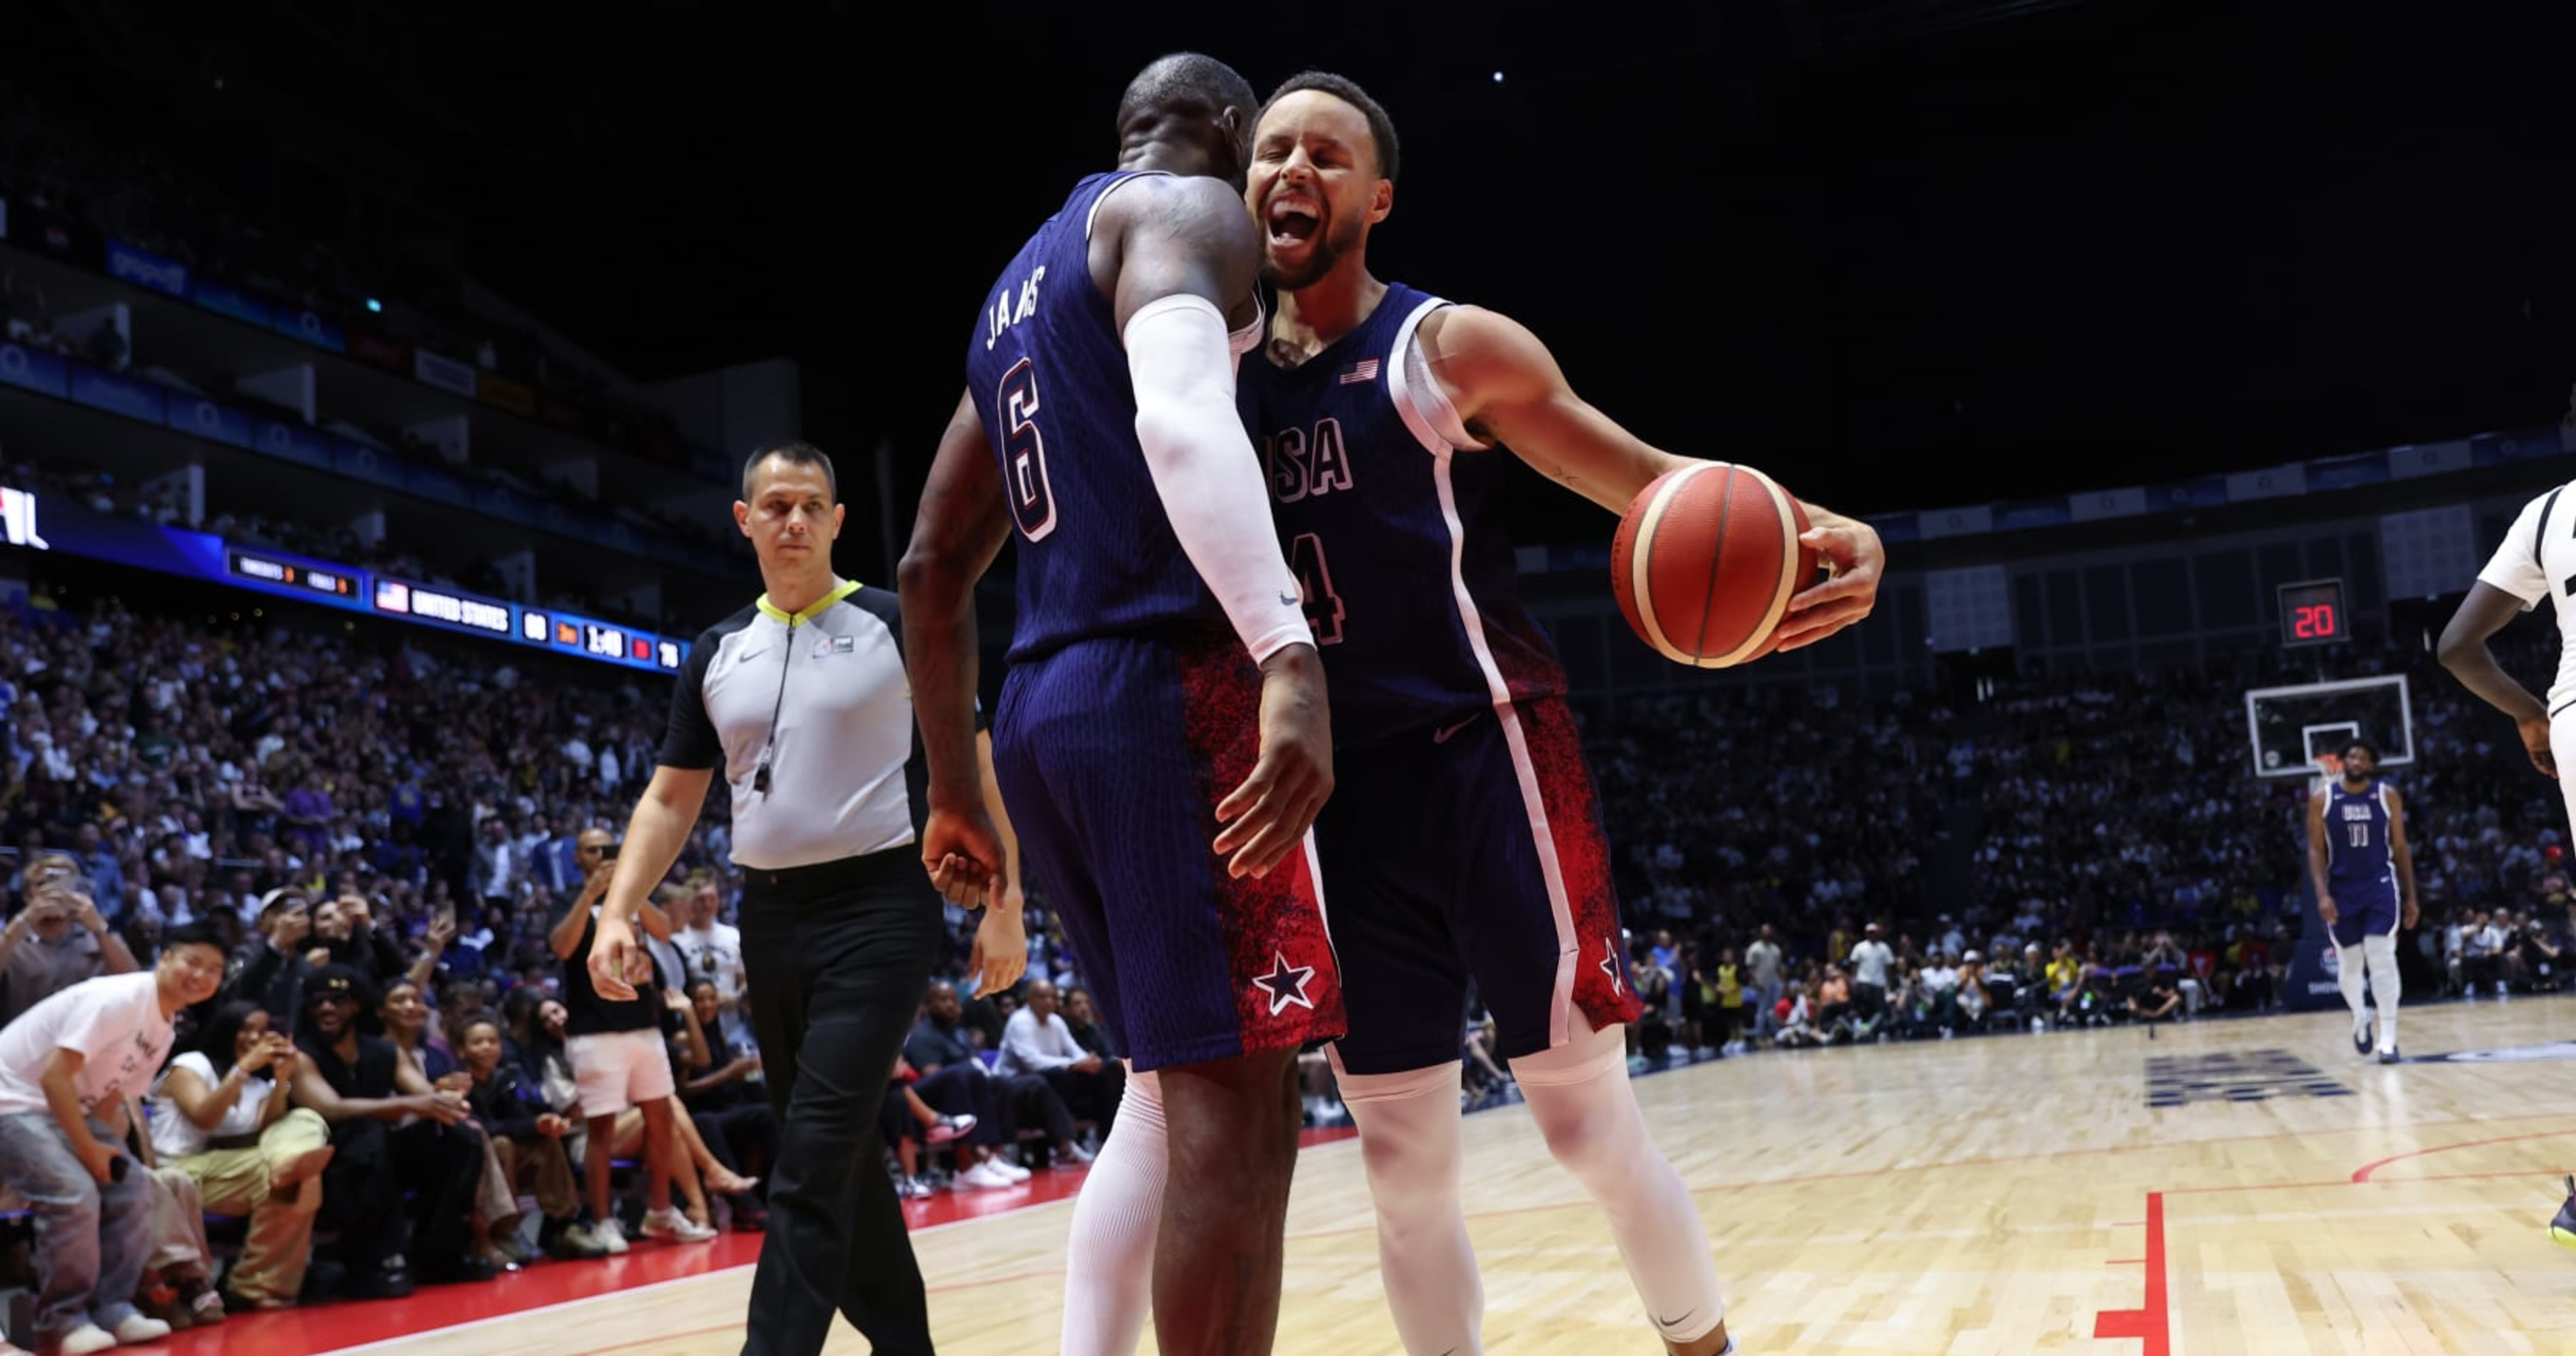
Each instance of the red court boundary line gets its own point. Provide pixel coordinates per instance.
(2363, 1173)
(2151, 1323)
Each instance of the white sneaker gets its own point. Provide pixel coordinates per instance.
(137, 1330)
(1008, 1169)
(609, 1235)
(87, 1338)
(947, 1128)
(914, 1188)
(986, 1177)
(669, 1223)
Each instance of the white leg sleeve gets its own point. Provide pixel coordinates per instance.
(2381, 949)
(1109, 1259)
(1579, 1094)
(2348, 973)
(1412, 1143)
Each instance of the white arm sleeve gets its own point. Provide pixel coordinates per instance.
(1206, 471)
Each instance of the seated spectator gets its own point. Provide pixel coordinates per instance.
(2154, 998)
(910, 1123)
(1037, 1041)
(731, 1108)
(2091, 1001)
(954, 1080)
(278, 969)
(698, 1167)
(1973, 999)
(84, 1049)
(528, 1138)
(178, 1284)
(346, 927)
(1834, 1017)
(361, 1087)
(1794, 1018)
(2064, 973)
(496, 1202)
(1083, 1021)
(222, 1115)
(56, 939)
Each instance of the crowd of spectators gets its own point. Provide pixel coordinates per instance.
(389, 836)
(2080, 847)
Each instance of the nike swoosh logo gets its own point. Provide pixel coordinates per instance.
(1291, 600)
(1441, 735)
(750, 655)
(1677, 1322)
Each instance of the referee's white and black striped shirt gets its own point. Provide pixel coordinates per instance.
(845, 771)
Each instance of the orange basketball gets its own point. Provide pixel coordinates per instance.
(1705, 562)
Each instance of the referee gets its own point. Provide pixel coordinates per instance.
(801, 699)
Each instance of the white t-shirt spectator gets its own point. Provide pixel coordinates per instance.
(1029, 1045)
(1870, 961)
(1763, 959)
(115, 1023)
(715, 952)
(1937, 977)
(175, 1136)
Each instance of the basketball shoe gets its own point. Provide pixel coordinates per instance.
(2562, 1230)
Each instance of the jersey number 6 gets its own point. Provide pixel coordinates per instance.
(1024, 452)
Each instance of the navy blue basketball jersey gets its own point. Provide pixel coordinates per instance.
(1048, 373)
(2359, 856)
(1395, 530)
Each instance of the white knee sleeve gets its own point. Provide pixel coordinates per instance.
(1579, 1094)
(2349, 975)
(2385, 984)
(1109, 1259)
(1412, 1144)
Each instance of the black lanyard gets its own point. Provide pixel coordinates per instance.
(769, 747)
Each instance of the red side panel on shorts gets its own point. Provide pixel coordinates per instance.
(1601, 988)
(1287, 986)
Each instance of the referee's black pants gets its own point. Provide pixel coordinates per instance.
(838, 957)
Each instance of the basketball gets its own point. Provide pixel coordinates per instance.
(1705, 562)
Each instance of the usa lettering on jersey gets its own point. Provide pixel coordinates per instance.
(1304, 465)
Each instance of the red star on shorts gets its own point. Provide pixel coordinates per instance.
(1285, 984)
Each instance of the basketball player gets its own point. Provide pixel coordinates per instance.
(2537, 560)
(2365, 876)
(1161, 660)
(1469, 844)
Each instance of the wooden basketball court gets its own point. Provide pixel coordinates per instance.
(1977, 1197)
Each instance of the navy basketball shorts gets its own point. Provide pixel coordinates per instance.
(2370, 911)
(1471, 850)
(1112, 755)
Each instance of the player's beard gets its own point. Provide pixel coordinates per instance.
(1330, 243)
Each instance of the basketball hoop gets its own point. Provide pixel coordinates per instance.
(2329, 767)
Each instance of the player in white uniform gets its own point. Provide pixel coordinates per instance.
(2537, 560)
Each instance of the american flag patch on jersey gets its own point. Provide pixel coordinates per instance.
(1358, 372)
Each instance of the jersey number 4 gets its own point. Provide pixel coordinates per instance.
(1024, 452)
(1315, 579)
